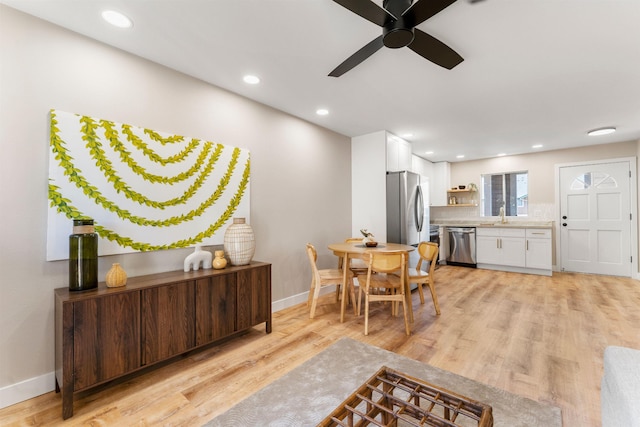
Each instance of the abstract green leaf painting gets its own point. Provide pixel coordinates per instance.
(145, 190)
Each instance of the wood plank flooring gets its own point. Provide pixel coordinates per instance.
(539, 337)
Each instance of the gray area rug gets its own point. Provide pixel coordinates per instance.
(310, 392)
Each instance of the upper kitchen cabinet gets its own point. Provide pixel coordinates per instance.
(439, 183)
(398, 154)
(421, 166)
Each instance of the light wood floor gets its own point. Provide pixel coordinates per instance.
(539, 337)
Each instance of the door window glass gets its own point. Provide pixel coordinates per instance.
(599, 180)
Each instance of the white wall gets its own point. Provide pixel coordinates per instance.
(539, 165)
(369, 183)
(300, 178)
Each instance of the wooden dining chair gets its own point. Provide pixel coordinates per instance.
(428, 252)
(390, 287)
(323, 278)
(356, 265)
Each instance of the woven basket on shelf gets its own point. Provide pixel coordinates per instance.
(239, 242)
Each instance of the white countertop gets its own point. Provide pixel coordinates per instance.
(489, 223)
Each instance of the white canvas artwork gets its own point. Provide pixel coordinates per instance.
(145, 190)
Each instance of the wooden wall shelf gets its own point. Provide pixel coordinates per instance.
(464, 198)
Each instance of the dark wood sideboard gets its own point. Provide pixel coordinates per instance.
(106, 333)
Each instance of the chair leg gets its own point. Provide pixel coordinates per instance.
(421, 293)
(432, 288)
(394, 304)
(359, 297)
(352, 291)
(406, 319)
(366, 313)
(316, 293)
(311, 290)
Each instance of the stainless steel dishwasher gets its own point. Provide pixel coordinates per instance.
(462, 246)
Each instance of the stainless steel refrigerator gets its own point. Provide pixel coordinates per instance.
(407, 208)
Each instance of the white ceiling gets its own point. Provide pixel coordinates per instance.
(535, 71)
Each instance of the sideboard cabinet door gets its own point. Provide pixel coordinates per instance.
(106, 338)
(215, 308)
(254, 297)
(167, 319)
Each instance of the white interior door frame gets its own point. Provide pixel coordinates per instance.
(633, 204)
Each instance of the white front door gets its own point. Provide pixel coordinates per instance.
(595, 218)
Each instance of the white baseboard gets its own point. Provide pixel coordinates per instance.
(297, 299)
(33, 387)
(27, 389)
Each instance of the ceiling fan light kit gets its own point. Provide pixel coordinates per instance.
(398, 19)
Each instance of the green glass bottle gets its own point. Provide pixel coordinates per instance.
(83, 256)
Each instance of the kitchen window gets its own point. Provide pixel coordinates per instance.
(510, 190)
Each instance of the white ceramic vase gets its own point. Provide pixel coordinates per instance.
(239, 242)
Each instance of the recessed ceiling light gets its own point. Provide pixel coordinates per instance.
(250, 79)
(502, 154)
(460, 156)
(428, 152)
(537, 146)
(601, 131)
(117, 19)
(322, 111)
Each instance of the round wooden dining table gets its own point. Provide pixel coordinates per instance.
(357, 250)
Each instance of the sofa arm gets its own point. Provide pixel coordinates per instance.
(620, 393)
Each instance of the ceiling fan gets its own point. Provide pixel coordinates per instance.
(398, 19)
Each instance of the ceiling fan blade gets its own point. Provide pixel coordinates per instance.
(422, 10)
(369, 49)
(368, 10)
(434, 50)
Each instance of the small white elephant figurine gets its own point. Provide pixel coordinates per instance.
(197, 257)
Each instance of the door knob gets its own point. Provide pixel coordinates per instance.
(564, 224)
(564, 217)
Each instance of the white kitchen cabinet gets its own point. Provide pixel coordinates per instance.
(421, 166)
(487, 249)
(538, 249)
(524, 250)
(398, 154)
(501, 246)
(512, 251)
(439, 183)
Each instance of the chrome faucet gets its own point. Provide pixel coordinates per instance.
(502, 219)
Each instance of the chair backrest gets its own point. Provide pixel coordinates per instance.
(313, 257)
(357, 261)
(386, 262)
(428, 251)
